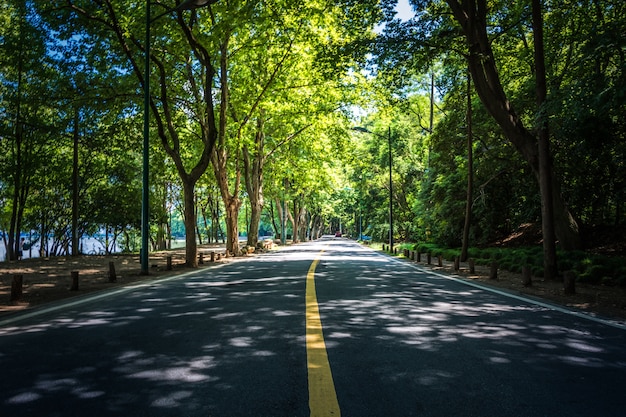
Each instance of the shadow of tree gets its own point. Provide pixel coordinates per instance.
(231, 342)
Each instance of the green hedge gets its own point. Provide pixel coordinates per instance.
(589, 268)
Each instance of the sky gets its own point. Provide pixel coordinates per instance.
(403, 10)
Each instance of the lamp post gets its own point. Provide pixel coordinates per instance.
(364, 130)
(145, 184)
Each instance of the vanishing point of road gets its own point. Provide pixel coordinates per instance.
(324, 328)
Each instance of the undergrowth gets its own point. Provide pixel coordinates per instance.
(589, 268)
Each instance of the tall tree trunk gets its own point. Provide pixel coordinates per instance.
(191, 248)
(198, 233)
(470, 173)
(161, 240)
(75, 188)
(232, 202)
(232, 226)
(277, 227)
(253, 173)
(545, 162)
(472, 18)
(290, 216)
(15, 223)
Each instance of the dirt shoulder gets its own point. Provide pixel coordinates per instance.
(602, 301)
(49, 279)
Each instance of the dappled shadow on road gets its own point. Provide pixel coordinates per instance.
(451, 347)
(200, 345)
(231, 342)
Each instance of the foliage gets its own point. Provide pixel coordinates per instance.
(300, 76)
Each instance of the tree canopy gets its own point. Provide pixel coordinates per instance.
(253, 107)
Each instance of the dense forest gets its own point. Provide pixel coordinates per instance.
(456, 123)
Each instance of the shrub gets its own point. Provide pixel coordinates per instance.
(450, 254)
(594, 274)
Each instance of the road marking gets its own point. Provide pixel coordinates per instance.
(322, 395)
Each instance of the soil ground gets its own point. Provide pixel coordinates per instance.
(49, 279)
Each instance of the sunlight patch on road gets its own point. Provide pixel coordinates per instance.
(322, 395)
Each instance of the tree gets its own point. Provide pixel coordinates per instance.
(470, 174)
(472, 17)
(26, 117)
(180, 53)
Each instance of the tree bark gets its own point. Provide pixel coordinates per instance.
(545, 163)
(232, 227)
(470, 174)
(253, 173)
(75, 188)
(191, 247)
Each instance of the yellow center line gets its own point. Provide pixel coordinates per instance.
(322, 396)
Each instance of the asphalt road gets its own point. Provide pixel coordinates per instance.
(243, 339)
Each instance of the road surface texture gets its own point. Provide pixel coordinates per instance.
(325, 328)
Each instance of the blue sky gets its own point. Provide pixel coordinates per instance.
(403, 10)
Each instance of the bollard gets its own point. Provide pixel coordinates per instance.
(201, 258)
(112, 275)
(526, 276)
(440, 261)
(569, 282)
(419, 256)
(16, 287)
(472, 266)
(493, 272)
(169, 263)
(429, 258)
(212, 256)
(74, 286)
(457, 262)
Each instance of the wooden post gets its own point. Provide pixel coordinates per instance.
(16, 287)
(457, 262)
(212, 256)
(439, 260)
(472, 266)
(493, 272)
(526, 276)
(74, 286)
(428, 258)
(419, 256)
(169, 263)
(112, 275)
(569, 282)
(201, 258)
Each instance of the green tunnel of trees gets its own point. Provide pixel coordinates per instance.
(494, 114)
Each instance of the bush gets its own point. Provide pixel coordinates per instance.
(450, 254)
(592, 269)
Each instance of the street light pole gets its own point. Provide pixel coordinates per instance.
(390, 194)
(145, 183)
